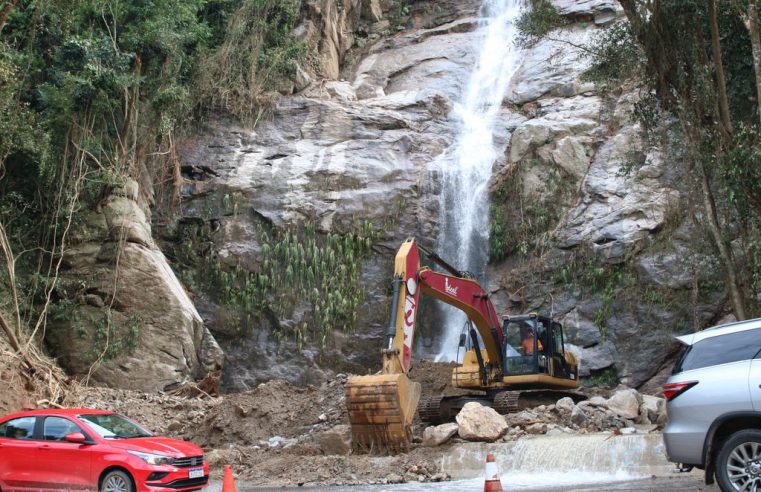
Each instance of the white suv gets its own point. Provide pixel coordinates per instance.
(714, 405)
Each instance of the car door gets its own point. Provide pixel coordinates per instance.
(18, 453)
(67, 464)
(754, 382)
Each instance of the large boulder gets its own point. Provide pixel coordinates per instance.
(625, 403)
(125, 320)
(654, 408)
(479, 423)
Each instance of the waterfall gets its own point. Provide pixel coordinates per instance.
(467, 167)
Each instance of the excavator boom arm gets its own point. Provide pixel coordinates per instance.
(469, 297)
(401, 328)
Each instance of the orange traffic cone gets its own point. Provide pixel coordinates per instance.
(492, 482)
(228, 482)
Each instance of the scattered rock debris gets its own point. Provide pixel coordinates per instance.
(279, 434)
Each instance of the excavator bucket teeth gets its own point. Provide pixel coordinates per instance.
(381, 409)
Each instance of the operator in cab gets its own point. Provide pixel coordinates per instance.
(527, 340)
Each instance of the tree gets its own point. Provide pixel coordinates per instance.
(6, 12)
(675, 36)
(750, 19)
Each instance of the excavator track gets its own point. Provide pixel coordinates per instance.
(506, 402)
(429, 410)
(440, 409)
(536, 397)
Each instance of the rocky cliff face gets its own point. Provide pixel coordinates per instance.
(613, 255)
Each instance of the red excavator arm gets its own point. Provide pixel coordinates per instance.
(468, 296)
(455, 289)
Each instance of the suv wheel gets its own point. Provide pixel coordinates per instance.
(116, 481)
(738, 466)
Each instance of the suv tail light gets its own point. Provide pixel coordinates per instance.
(672, 390)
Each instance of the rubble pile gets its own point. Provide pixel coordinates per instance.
(279, 434)
(626, 411)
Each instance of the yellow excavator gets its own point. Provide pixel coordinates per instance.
(501, 361)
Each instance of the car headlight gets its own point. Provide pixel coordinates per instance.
(153, 459)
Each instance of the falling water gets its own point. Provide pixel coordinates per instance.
(464, 236)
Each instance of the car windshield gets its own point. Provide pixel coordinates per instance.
(113, 426)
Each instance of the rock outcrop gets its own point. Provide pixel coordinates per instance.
(125, 320)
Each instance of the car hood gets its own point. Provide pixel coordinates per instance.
(158, 445)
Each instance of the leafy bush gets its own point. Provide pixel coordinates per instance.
(616, 56)
(258, 50)
(539, 20)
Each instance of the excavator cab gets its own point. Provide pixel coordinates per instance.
(535, 353)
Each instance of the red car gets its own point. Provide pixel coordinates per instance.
(77, 449)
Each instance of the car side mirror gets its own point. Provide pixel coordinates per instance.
(75, 437)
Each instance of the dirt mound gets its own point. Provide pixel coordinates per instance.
(18, 390)
(435, 378)
(272, 409)
(277, 433)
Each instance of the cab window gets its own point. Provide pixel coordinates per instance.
(56, 428)
(21, 428)
(557, 332)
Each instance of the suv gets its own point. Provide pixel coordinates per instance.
(714, 405)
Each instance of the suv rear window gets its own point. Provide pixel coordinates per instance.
(722, 349)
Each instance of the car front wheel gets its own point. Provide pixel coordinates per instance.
(738, 466)
(116, 481)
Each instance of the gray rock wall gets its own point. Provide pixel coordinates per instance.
(617, 261)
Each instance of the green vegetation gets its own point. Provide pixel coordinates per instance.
(606, 377)
(703, 108)
(519, 224)
(109, 338)
(256, 52)
(92, 92)
(616, 57)
(595, 278)
(299, 266)
(538, 21)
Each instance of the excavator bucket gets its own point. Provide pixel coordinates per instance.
(381, 408)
